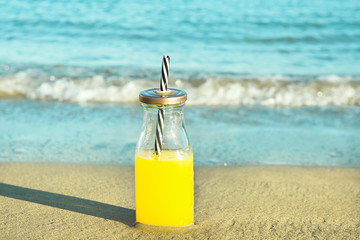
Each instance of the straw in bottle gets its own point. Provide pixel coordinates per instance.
(161, 112)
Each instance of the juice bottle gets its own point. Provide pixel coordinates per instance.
(164, 179)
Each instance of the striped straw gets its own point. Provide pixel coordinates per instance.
(161, 112)
(164, 73)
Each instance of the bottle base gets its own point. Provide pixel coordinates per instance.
(164, 229)
(153, 225)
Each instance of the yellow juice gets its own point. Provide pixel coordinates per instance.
(164, 189)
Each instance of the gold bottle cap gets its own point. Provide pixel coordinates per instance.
(156, 97)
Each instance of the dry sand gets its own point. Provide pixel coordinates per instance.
(71, 201)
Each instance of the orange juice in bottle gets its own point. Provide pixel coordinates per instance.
(164, 176)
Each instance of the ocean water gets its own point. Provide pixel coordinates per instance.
(269, 82)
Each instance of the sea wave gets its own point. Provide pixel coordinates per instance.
(213, 91)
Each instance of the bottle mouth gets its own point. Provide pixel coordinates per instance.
(154, 96)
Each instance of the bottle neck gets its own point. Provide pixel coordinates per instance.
(173, 115)
(150, 106)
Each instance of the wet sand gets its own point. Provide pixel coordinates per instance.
(76, 201)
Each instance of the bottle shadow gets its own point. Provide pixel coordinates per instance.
(79, 205)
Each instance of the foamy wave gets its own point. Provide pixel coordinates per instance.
(271, 91)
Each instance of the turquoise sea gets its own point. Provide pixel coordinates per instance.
(269, 82)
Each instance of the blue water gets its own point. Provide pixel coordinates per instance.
(107, 134)
(269, 82)
(256, 37)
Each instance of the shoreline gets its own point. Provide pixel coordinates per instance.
(91, 201)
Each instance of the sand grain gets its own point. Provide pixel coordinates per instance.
(73, 201)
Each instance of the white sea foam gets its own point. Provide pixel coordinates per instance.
(266, 91)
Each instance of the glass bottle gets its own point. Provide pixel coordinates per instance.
(164, 180)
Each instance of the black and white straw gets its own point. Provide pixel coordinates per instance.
(161, 112)
(159, 131)
(165, 74)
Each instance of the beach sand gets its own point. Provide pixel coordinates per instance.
(74, 201)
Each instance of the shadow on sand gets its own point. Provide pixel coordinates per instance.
(88, 207)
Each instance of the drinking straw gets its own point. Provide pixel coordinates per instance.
(161, 112)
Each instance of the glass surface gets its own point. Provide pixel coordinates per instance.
(164, 184)
(174, 134)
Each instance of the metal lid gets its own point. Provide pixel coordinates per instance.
(156, 97)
